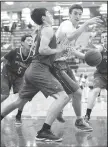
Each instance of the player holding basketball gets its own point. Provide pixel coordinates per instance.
(38, 76)
(100, 77)
(67, 35)
(15, 63)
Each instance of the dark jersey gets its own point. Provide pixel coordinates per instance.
(16, 62)
(102, 67)
(45, 59)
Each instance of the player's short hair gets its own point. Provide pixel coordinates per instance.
(37, 14)
(23, 38)
(75, 6)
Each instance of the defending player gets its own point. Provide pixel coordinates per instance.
(15, 63)
(100, 77)
(39, 78)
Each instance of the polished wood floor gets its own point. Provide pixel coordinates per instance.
(34, 115)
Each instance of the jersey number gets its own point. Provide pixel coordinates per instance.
(19, 70)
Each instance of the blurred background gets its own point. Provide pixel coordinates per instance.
(16, 21)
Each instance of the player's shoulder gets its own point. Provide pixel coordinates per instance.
(16, 50)
(47, 31)
(66, 22)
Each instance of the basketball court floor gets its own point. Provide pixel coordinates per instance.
(33, 117)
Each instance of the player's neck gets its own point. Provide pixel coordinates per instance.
(46, 25)
(24, 51)
(74, 24)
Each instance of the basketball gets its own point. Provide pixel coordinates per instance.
(93, 57)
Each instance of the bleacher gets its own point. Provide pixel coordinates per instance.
(6, 36)
(84, 68)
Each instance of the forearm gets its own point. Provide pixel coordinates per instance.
(77, 33)
(79, 54)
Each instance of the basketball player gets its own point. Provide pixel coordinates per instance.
(100, 77)
(15, 63)
(66, 37)
(39, 78)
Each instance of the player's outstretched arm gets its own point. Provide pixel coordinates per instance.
(99, 48)
(79, 54)
(77, 33)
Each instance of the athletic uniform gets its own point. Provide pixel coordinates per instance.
(38, 76)
(13, 70)
(100, 75)
(61, 69)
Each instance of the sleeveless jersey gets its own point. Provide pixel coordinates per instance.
(102, 67)
(66, 27)
(45, 59)
(16, 63)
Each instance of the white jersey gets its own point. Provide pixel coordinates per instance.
(65, 28)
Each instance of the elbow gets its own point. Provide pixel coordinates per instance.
(71, 38)
(41, 52)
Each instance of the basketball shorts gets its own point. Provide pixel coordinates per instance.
(65, 76)
(100, 80)
(8, 80)
(38, 78)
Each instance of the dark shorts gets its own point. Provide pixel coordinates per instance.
(38, 78)
(100, 80)
(65, 76)
(8, 80)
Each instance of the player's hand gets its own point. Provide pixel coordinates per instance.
(94, 20)
(60, 49)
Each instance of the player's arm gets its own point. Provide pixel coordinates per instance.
(3, 59)
(78, 54)
(99, 48)
(9, 56)
(78, 32)
(46, 36)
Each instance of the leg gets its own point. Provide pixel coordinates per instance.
(56, 107)
(50, 86)
(13, 106)
(91, 101)
(72, 88)
(6, 84)
(45, 134)
(25, 94)
(76, 102)
(99, 83)
(60, 117)
(17, 82)
(19, 113)
(92, 98)
(4, 97)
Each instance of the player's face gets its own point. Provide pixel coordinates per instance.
(28, 43)
(104, 38)
(75, 16)
(49, 18)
